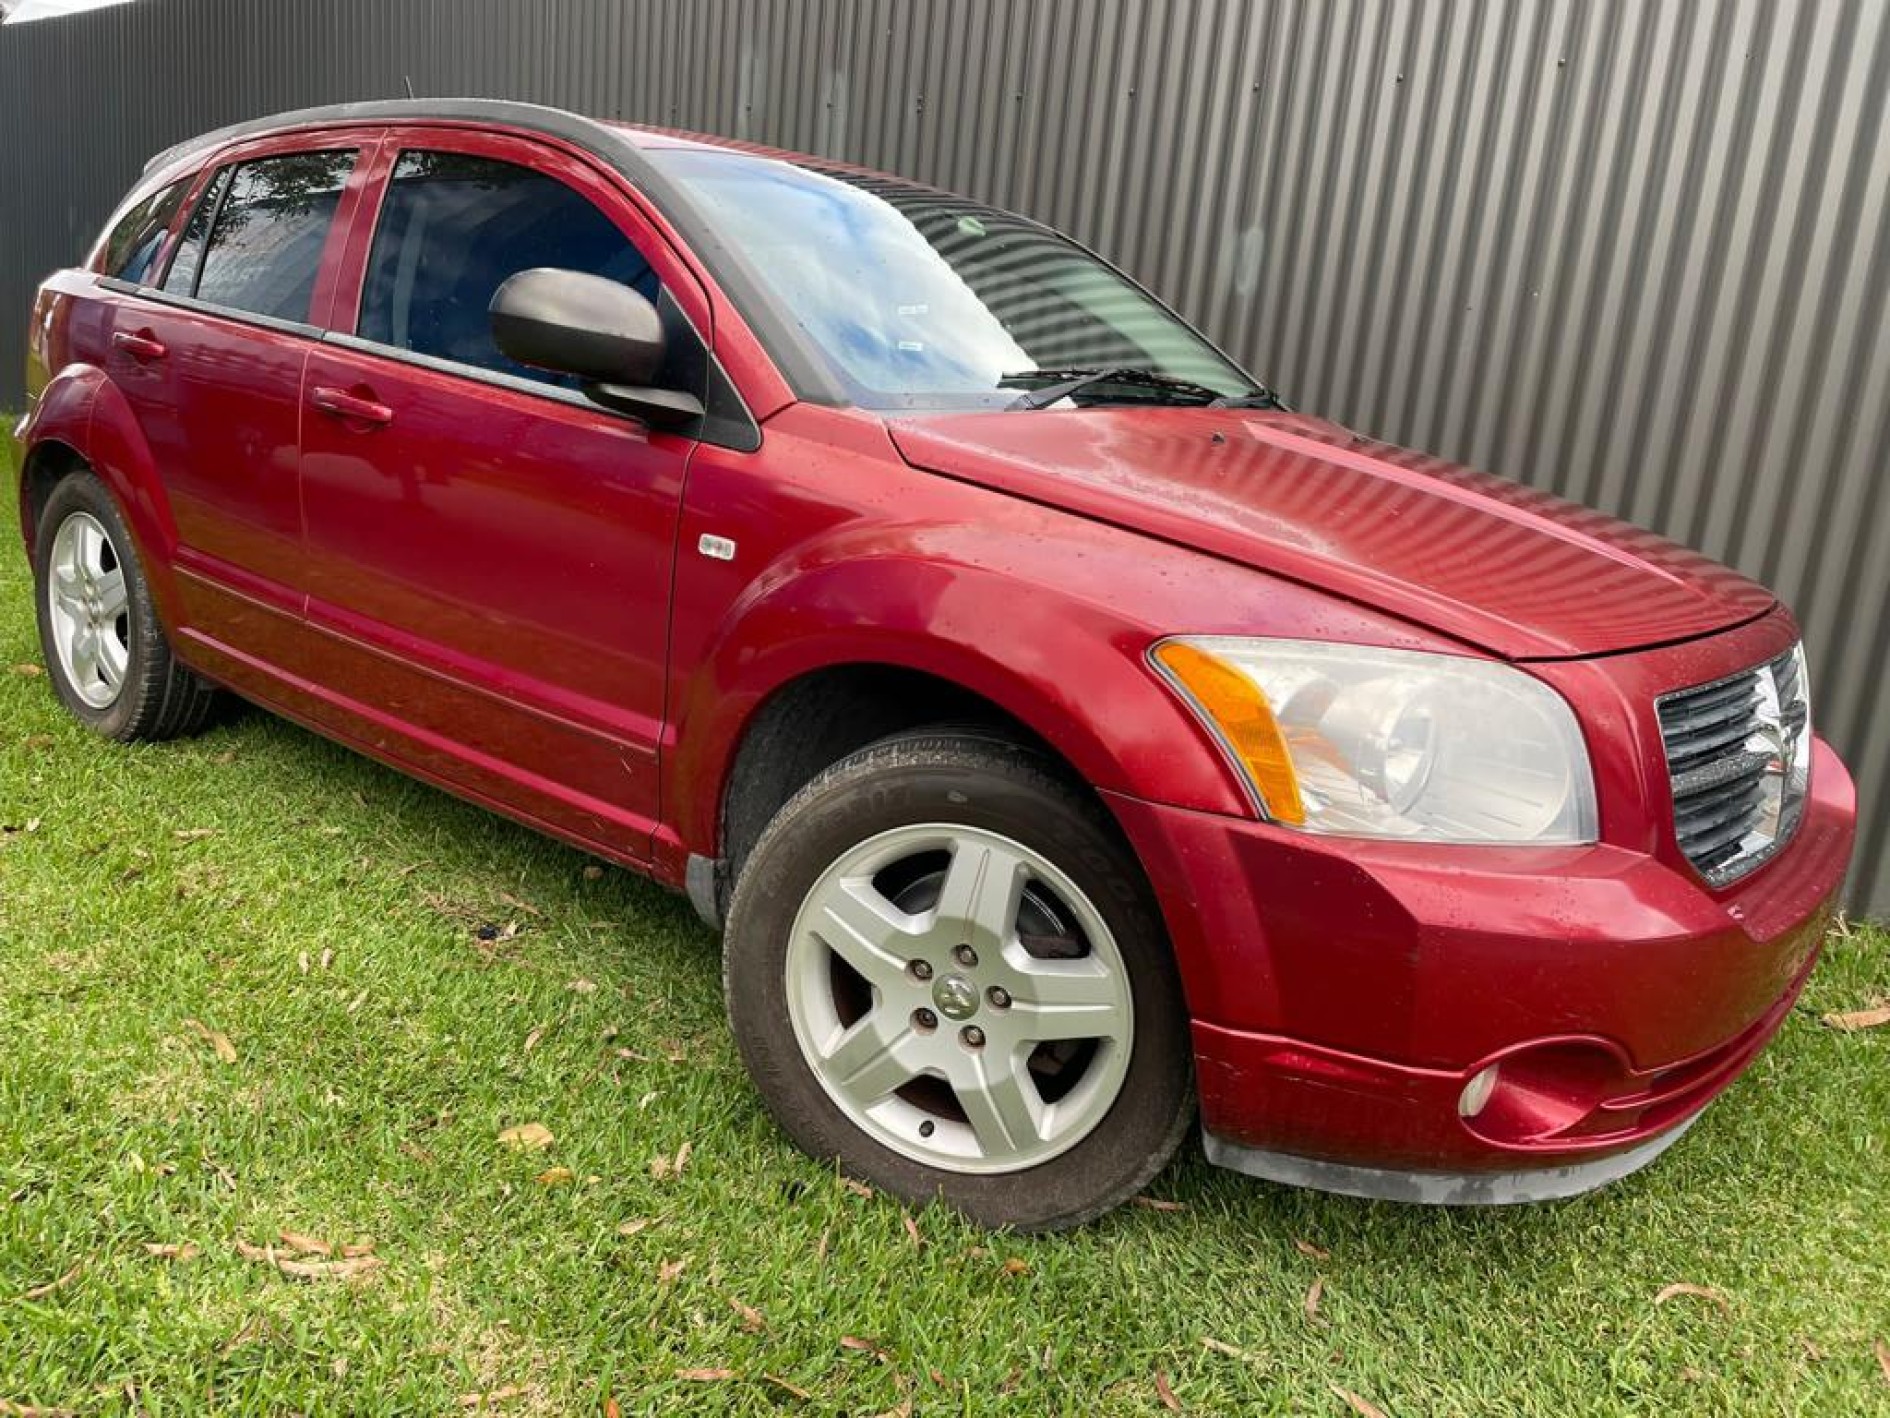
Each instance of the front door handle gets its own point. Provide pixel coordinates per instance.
(141, 346)
(354, 408)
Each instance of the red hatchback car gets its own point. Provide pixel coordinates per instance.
(1066, 733)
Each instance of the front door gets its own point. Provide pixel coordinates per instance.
(488, 552)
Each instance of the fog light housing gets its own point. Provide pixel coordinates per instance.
(1476, 1093)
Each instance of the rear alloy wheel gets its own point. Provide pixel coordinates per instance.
(98, 628)
(943, 970)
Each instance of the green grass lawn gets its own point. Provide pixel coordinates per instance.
(395, 979)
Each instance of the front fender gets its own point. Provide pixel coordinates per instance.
(82, 410)
(1062, 655)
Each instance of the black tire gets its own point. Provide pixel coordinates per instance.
(969, 779)
(157, 697)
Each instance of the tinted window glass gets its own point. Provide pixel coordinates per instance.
(453, 228)
(182, 276)
(266, 245)
(134, 244)
(918, 298)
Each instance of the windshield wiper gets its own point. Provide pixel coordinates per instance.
(1070, 381)
(1261, 398)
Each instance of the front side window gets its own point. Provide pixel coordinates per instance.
(132, 247)
(453, 228)
(919, 299)
(266, 239)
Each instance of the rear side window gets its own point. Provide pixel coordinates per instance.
(133, 245)
(453, 228)
(267, 234)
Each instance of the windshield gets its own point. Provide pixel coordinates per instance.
(917, 299)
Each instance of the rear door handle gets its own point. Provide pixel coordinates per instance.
(143, 345)
(355, 408)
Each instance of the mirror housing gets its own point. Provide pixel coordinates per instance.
(604, 334)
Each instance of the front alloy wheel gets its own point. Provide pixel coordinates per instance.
(943, 969)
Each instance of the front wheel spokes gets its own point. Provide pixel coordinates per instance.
(1001, 1103)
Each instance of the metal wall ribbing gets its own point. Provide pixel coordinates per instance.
(1635, 251)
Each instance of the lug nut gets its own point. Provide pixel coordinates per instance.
(965, 956)
(1000, 998)
(920, 970)
(927, 1128)
(971, 1036)
(924, 1019)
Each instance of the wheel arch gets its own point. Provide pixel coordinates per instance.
(84, 423)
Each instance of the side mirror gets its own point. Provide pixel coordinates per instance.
(599, 332)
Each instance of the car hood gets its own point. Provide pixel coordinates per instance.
(1509, 569)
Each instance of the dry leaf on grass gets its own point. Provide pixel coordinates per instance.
(1364, 1407)
(802, 1394)
(642, 1223)
(28, 671)
(1312, 1252)
(582, 987)
(527, 1137)
(593, 873)
(531, 1039)
(859, 1189)
(1151, 1203)
(752, 1319)
(249, 1252)
(555, 1177)
(1313, 1296)
(663, 1169)
(1883, 1359)
(912, 1232)
(667, 1272)
(1859, 1019)
(40, 1292)
(865, 1346)
(299, 1244)
(173, 1250)
(1699, 1292)
(215, 1038)
(901, 1409)
(705, 1376)
(1017, 1265)
(194, 834)
(358, 1248)
(1166, 1393)
(10, 1409)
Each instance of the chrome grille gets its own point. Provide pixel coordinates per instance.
(1739, 756)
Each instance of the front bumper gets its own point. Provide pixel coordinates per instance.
(1345, 993)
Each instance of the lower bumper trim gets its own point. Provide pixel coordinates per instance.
(1439, 1188)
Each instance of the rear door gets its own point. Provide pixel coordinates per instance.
(489, 552)
(209, 353)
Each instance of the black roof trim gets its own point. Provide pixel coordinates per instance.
(797, 358)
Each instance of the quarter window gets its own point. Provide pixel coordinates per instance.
(132, 247)
(266, 240)
(453, 229)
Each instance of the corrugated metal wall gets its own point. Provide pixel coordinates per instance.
(1633, 251)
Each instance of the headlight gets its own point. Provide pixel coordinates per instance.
(1364, 742)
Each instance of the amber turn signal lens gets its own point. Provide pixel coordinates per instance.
(1235, 707)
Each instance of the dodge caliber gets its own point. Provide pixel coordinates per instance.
(1068, 740)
